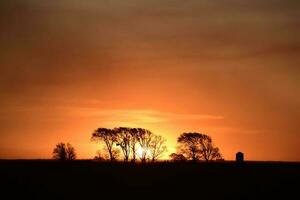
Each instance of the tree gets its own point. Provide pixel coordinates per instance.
(189, 145)
(124, 140)
(134, 141)
(196, 146)
(109, 137)
(144, 138)
(208, 151)
(177, 157)
(59, 152)
(70, 150)
(157, 147)
(64, 151)
(128, 139)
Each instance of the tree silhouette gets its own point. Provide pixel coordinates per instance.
(190, 145)
(196, 146)
(208, 151)
(128, 140)
(124, 141)
(157, 147)
(109, 137)
(134, 141)
(59, 152)
(64, 151)
(144, 139)
(70, 150)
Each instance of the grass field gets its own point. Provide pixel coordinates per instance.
(41, 179)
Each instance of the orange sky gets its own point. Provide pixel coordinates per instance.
(229, 69)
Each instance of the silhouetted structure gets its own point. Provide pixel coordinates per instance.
(239, 157)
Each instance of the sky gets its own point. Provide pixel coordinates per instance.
(226, 68)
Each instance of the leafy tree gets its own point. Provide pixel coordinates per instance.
(70, 150)
(109, 137)
(208, 151)
(59, 152)
(197, 146)
(157, 147)
(64, 151)
(189, 145)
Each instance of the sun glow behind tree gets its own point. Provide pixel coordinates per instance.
(133, 142)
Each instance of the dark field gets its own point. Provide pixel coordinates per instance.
(93, 180)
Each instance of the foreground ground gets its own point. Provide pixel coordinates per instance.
(93, 180)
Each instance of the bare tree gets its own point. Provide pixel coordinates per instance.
(157, 147)
(127, 139)
(64, 152)
(134, 141)
(144, 139)
(109, 137)
(124, 141)
(196, 146)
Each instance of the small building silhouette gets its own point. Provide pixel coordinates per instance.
(239, 157)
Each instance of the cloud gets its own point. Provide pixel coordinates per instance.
(144, 116)
(133, 116)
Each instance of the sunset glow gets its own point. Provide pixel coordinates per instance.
(229, 69)
(140, 151)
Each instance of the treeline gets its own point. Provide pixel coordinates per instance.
(138, 144)
(133, 142)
